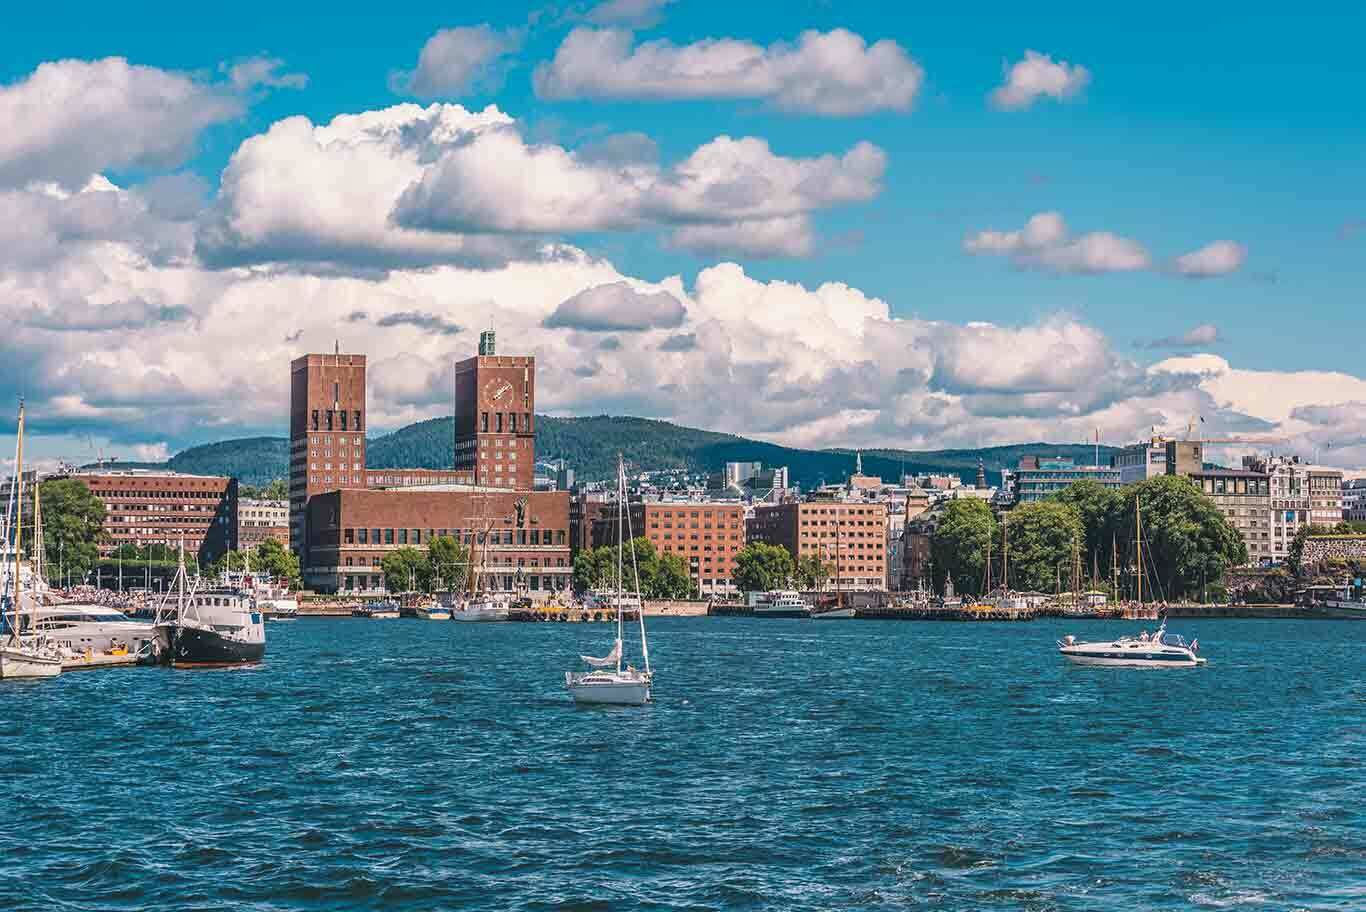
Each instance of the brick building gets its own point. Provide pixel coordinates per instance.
(527, 544)
(327, 422)
(495, 404)
(262, 520)
(851, 535)
(144, 507)
(706, 534)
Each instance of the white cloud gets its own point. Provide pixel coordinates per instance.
(1038, 76)
(633, 13)
(257, 72)
(70, 119)
(455, 61)
(1216, 259)
(1205, 334)
(617, 307)
(833, 73)
(1044, 243)
(784, 236)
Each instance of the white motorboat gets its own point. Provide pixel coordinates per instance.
(432, 611)
(1158, 650)
(601, 600)
(24, 655)
(382, 610)
(79, 627)
(609, 683)
(782, 604)
(834, 614)
(483, 608)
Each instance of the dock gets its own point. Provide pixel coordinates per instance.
(101, 660)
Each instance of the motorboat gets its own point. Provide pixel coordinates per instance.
(837, 613)
(486, 607)
(1157, 650)
(432, 611)
(601, 600)
(609, 682)
(782, 604)
(97, 628)
(382, 610)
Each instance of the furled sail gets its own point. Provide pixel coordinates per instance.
(609, 659)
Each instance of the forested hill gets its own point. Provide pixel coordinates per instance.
(589, 446)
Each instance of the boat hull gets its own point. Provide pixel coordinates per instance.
(26, 663)
(834, 614)
(1117, 659)
(478, 614)
(195, 648)
(782, 612)
(611, 693)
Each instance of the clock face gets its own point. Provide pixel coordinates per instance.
(498, 392)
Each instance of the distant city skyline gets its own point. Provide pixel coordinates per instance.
(923, 231)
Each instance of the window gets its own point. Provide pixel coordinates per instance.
(512, 422)
(416, 537)
(498, 422)
(315, 419)
(349, 536)
(388, 536)
(484, 422)
(356, 423)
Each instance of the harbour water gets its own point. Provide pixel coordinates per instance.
(785, 765)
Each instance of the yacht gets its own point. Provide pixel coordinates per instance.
(782, 604)
(78, 627)
(1157, 650)
(485, 607)
(599, 600)
(381, 610)
(432, 611)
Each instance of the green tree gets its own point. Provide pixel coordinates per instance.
(449, 561)
(594, 568)
(760, 567)
(1101, 511)
(1041, 536)
(73, 525)
(811, 572)
(1188, 543)
(959, 544)
(407, 570)
(277, 560)
(669, 579)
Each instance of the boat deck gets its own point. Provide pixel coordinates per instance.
(100, 660)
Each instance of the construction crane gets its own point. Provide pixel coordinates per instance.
(1192, 437)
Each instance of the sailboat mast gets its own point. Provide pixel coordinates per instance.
(1005, 553)
(621, 518)
(18, 517)
(839, 591)
(986, 584)
(1138, 543)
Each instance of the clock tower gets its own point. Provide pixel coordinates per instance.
(495, 408)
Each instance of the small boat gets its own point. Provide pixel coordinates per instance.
(382, 610)
(1158, 650)
(782, 604)
(25, 655)
(833, 614)
(487, 607)
(432, 611)
(609, 683)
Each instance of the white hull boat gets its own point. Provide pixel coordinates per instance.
(481, 611)
(433, 613)
(1161, 650)
(834, 614)
(609, 688)
(28, 660)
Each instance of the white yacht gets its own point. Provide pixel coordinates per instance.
(78, 627)
(782, 604)
(600, 600)
(608, 683)
(1157, 650)
(486, 607)
(381, 610)
(432, 611)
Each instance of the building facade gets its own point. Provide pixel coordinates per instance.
(262, 520)
(1354, 500)
(521, 539)
(707, 535)
(847, 535)
(144, 507)
(1244, 497)
(1141, 461)
(1301, 495)
(495, 407)
(1038, 477)
(327, 421)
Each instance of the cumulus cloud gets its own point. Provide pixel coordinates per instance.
(70, 119)
(632, 13)
(833, 73)
(1203, 335)
(455, 61)
(1038, 76)
(1216, 259)
(258, 72)
(736, 194)
(617, 307)
(420, 319)
(1044, 243)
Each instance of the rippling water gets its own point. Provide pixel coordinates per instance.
(785, 765)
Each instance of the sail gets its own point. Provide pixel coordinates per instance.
(609, 659)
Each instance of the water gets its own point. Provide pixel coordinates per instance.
(785, 765)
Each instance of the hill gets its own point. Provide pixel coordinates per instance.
(589, 445)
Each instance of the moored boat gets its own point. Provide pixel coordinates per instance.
(381, 610)
(782, 604)
(1158, 650)
(215, 628)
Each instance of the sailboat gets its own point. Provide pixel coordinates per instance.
(609, 682)
(838, 612)
(22, 656)
(487, 605)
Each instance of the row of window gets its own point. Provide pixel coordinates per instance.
(498, 422)
(337, 420)
(127, 494)
(371, 536)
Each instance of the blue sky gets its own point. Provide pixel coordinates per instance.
(1199, 123)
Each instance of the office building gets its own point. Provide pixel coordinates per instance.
(707, 535)
(1038, 477)
(1244, 497)
(147, 507)
(262, 520)
(845, 534)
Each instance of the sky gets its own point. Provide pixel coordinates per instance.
(813, 223)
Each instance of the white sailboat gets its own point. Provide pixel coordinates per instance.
(21, 655)
(485, 605)
(608, 682)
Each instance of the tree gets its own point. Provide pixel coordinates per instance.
(407, 570)
(73, 525)
(670, 579)
(449, 561)
(958, 546)
(760, 567)
(595, 568)
(1188, 543)
(1041, 536)
(811, 572)
(1101, 511)
(277, 560)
